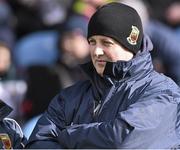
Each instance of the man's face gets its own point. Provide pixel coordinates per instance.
(104, 49)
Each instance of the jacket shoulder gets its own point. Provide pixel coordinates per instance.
(76, 89)
(15, 132)
(163, 84)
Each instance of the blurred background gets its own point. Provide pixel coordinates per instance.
(43, 41)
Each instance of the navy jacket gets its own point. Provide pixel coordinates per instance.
(131, 106)
(11, 135)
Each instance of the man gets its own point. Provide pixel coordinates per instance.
(124, 104)
(11, 136)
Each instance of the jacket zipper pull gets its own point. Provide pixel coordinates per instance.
(97, 107)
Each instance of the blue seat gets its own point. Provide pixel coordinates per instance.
(39, 48)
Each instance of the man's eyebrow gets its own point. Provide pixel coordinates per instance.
(107, 40)
(91, 39)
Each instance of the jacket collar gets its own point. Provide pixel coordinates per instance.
(116, 72)
(4, 110)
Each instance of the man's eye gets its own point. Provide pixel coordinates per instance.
(107, 43)
(91, 42)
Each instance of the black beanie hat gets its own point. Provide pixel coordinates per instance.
(120, 22)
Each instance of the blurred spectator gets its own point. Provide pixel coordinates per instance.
(45, 75)
(173, 13)
(166, 11)
(52, 12)
(166, 48)
(11, 89)
(42, 83)
(7, 71)
(35, 15)
(73, 48)
(6, 24)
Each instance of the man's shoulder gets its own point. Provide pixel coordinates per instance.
(72, 93)
(77, 87)
(164, 81)
(160, 84)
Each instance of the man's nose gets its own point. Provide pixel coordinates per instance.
(98, 51)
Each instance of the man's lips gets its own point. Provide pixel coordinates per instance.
(100, 61)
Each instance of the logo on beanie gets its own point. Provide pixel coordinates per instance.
(133, 37)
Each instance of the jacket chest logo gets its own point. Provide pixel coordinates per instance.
(6, 142)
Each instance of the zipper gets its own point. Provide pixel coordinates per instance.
(109, 96)
(96, 109)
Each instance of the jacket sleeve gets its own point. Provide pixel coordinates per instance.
(142, 125)
(14, 130)
(45, 132)
(95, 135)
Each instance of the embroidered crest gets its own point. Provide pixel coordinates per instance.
(133, 37)
(5, 141)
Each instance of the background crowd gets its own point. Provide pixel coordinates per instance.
(43, 41)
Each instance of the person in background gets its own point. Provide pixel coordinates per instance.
(7, 70)
(73, 50)
(11, 135)
(125, 103)
(166, 11)
(12, 89)
(35, 15)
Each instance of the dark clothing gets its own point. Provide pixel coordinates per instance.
(11, 135)
(44, 78)
(137, 108)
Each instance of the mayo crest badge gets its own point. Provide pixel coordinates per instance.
(133, 37)
(6, 142)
